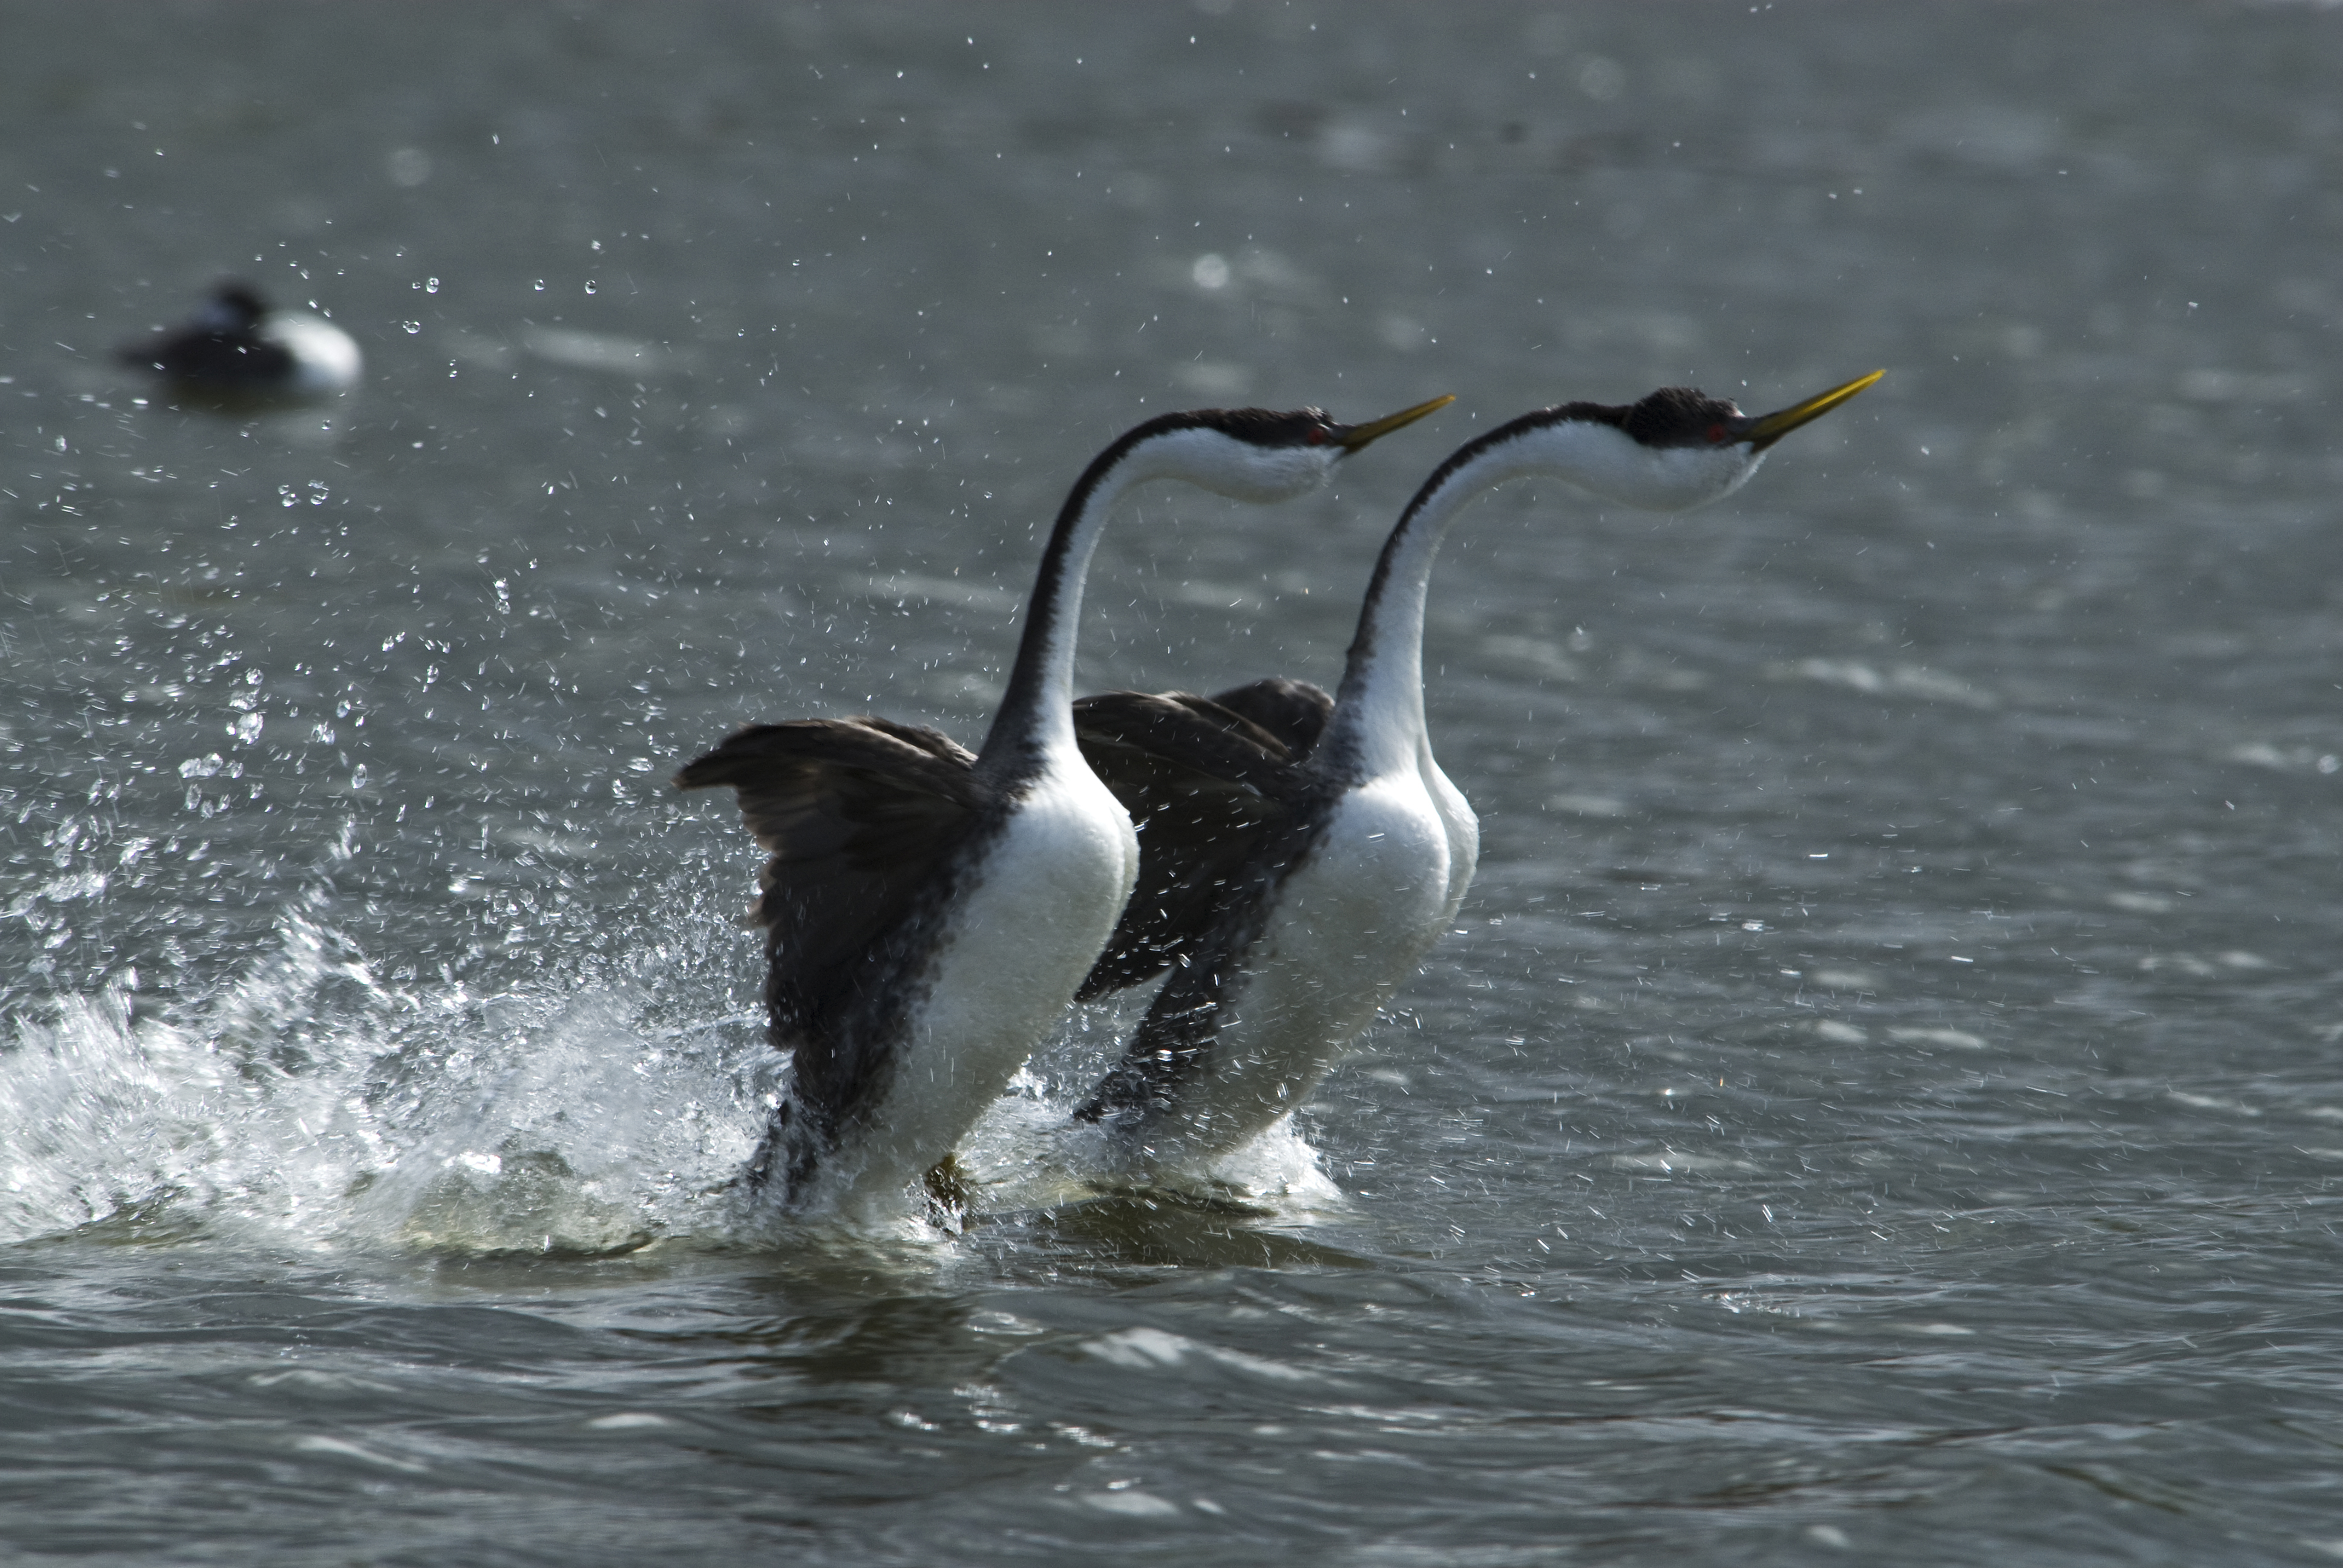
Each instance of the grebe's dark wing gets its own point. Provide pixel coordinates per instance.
(1207, 789)
(861, 815)
(1294, 711)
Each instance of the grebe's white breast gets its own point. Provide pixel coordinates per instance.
(1037, 904)
(1350, 922)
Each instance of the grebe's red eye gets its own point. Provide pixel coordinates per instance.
(1715, 434)
(1318, 435)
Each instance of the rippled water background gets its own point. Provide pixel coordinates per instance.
(1881, 1102)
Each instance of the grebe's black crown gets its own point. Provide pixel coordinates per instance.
(1272, 431)
(1266, 428)
(1671, 417)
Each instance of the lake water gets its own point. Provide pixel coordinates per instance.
(1880, 1100)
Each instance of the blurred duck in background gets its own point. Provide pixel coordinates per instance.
(237, 351)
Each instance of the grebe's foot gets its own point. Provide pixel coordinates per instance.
(950, 1191)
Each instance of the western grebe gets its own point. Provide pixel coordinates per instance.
(1299, 854)
(928, 912)
(237, 349)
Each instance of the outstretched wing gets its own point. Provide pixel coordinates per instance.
(1209, 790)
(1294, 711)
(862, 816)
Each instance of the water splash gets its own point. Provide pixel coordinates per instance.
(1028, 1154)
(576, 1129)
(310, 1102)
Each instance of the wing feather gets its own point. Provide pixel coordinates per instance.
(862, 816)
(1209, 791)
(1294, 711)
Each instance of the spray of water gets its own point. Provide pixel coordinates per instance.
(311, 1103)
(587, 1107)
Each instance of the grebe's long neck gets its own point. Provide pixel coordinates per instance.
(1378, 722)
(1035, 718)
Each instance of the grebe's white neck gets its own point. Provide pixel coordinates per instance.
(1247, 455)
(1378, 724)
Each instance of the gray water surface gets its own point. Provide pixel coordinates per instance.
(1879, 1104)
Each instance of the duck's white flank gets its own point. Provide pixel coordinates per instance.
(324, 357)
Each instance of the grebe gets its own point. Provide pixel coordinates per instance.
(1299, 854)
